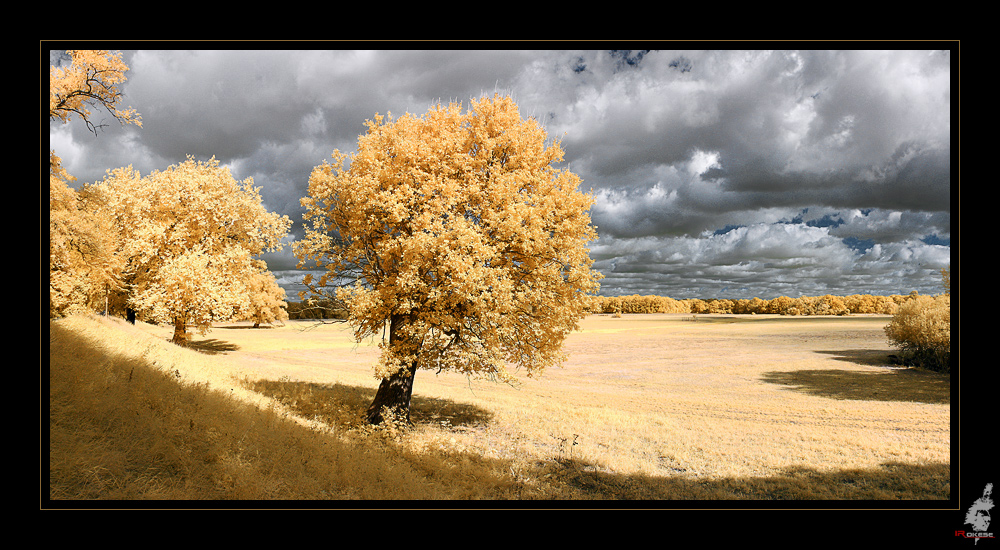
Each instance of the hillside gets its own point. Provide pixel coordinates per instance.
(649, 407)
(132, 416)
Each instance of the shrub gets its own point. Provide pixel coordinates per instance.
(921, 328)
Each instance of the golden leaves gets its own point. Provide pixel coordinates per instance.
(82, 263)
(459, 222)
(92, 76)
(921, 328)
(189, 234)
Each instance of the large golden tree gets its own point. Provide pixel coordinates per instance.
(459, 232)
(188, 236)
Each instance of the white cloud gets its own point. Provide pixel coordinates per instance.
(61, 141)
(766, 260)
(892, 225)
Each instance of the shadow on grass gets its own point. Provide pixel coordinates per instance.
(343, 405)
(123, 428)
(211, 346)
(560, 479)
(888, 384)
(869, 357)
(888, 482)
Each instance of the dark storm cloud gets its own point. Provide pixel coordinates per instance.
(218, 103)
(716, 171)
(795, 129)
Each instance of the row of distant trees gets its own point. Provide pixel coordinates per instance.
(178, 246)
(920, 326)
(782, 305)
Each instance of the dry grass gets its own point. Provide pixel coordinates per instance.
(649, 407)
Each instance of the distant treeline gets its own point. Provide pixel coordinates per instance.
(316, 309)
(782, 305)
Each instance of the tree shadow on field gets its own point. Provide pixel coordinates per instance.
(445, 411)
(556, 480)
(344, 405)
(211, 346)
(890, 482)
(890, 384)
(869, 357)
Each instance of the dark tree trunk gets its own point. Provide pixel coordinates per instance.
(393, 397)
(394, 393)
(180, 334)
(130, 315)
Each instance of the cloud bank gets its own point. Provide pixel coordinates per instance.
(716, 173)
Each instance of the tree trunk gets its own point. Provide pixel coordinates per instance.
(394, 393)
(130, 315)
(180, 336)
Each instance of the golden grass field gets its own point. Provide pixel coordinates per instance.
(647, 407)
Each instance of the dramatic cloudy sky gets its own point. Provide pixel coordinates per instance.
(716, 173)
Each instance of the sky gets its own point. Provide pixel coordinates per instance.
(716, 173)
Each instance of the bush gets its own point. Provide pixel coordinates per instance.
(921, 328)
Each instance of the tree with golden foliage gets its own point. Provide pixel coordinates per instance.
(91, 78)
(82, 264)
(455, 229)
(921, 329)
(267, 299)
(188, 236)
(81, 260)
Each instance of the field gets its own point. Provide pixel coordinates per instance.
(647, 407)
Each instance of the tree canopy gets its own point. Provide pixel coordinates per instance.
(457, 230)
(188, 236)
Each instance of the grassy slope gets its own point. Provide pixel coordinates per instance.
(650, 407)
(130, 419)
